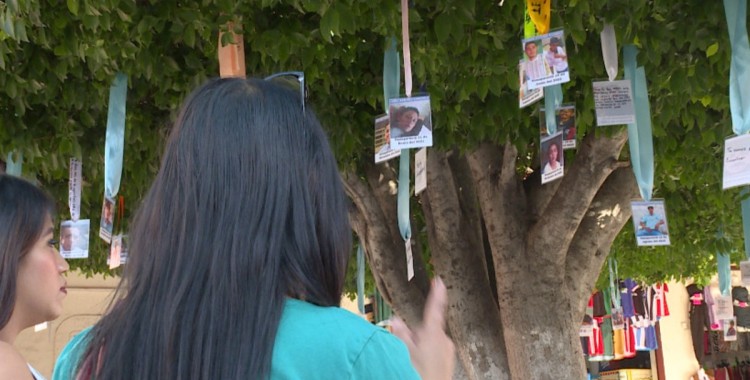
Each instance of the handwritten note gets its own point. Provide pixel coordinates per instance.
(614, 103)
(420, 171)
(737, 161)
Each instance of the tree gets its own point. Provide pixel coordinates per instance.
(519, 258)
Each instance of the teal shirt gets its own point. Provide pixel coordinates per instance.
(312, 342)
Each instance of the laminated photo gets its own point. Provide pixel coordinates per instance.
(650, 223)
(545, 60)
(74, 239)
(526, 96)
(106, 223)
(565, 118)
(552, 159)
(383, 151)
(411, 122)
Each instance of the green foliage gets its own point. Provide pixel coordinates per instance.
(57, 62)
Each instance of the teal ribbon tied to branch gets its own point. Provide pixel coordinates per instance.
(639, 134)
(14, 166)
(114, 145)
(360, 279)
(739, 69)
(391, 85)
(553, 98)
(739, 88)
(725, 273)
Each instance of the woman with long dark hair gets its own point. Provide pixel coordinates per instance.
(238, 255)
(32, 285)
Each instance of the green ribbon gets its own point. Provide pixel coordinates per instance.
(360, 279)
(739, 69)
(553, 98)
(115, 142)
(13, 166)
(639, 134)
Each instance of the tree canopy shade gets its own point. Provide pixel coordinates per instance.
(507, 247)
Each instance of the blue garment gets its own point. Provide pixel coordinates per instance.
(651, 343)
(312, 342)
(626, 297)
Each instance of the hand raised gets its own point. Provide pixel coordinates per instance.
(432, 352)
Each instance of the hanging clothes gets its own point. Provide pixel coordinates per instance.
(626, 296)
(659, 306)
(711, 308)
(698, 320)
(741, 306)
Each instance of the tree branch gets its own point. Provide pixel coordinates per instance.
(456, 241)
(502, 200)
(385, 254)
(609, 212)
(596, 159)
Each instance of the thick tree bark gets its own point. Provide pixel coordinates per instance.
(455, 235)
(542, 246)
(385, 251)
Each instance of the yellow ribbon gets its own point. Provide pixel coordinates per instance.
(539, 11)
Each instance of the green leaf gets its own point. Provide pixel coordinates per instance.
(12, 5)
(73, 6)
(189, 36)
(712, 49)
(7, 25)
(443, 27)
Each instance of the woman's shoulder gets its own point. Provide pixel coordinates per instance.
(12, 364)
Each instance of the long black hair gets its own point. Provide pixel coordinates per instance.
(247, 209)
(23, 211)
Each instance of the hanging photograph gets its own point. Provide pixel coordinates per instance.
(545, 60)
(107, 220)
(526, 96)
(118, 251)
(74, 239)
(383, 151)
(565, 118)
(729, 326)
(613, 102)
(552, 159)
(736, 161)
(411, 122)
(618, 320)
(650, 222)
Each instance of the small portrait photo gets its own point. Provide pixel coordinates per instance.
(383, 151)
(74, 239)
(650, 222)
(410, 122)
(618, 321)
(107, 220)
(729, 326)
(566, 122)
(545, 60)
(118, 251)
(565, 119)
(525, 95)
(552, 159)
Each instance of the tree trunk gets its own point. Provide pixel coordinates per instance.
(542, 247)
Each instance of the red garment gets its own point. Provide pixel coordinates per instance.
(659, 303)
(596, 342)
(629, 340)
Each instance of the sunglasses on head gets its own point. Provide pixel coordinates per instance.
(292, 78)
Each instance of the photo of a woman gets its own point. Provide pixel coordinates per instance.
(411, 123)
(552, 159)
(408, 123)
(553, 152)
